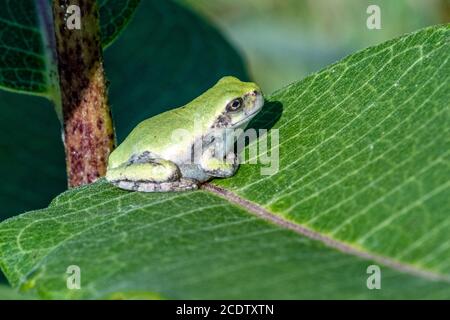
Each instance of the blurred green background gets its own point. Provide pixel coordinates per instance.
(284, 40)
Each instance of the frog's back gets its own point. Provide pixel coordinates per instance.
(156, 134)
(153, 135)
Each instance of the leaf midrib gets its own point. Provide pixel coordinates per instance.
(342, 246)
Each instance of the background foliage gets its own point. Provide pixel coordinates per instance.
(284, 41)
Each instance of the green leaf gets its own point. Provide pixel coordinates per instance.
(31, 154)
(364, 179)
(8, 293)
(365, 152)
(26, 63)
(114, 17)
(170, 74)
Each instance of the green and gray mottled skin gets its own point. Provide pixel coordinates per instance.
(160, 153)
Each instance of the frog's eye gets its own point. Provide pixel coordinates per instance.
(235, 104)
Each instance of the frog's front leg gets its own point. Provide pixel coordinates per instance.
(153, 175)
(218, 166)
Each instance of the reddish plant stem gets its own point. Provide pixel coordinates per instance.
(88, 131)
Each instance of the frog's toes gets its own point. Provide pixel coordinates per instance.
(147, 186)
(224, 172)
(187, 184)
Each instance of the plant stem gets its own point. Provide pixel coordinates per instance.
(88, 131)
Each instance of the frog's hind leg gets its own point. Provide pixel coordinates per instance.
(145, 186)
(150, 175)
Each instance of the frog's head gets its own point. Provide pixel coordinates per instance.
(235, 102)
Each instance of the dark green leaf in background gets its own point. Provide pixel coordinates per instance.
(25, 62)
(31, 154)
(114, 16)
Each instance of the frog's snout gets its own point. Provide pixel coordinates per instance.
(255, 93)
(256, 100)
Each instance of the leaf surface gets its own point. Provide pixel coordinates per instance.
(7, 293)
(365, 152)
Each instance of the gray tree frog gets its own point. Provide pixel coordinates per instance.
(151, 160)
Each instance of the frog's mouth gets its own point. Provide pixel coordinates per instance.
(246, 119)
